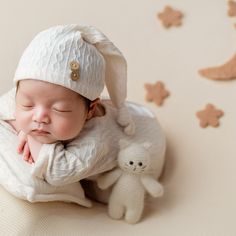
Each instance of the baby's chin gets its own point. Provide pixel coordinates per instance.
(49, 138)
(44, 139)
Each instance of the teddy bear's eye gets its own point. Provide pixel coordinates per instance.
(131, 162)
(140, 163)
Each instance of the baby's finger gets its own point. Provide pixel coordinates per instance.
(31, 160)
(21, 145)
(22, 137)
(26, 152)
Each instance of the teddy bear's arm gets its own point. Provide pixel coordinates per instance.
(108, 179)
(153, 187)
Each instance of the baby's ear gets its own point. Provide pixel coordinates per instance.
(123, 143)
(146, 145)
(92, 108)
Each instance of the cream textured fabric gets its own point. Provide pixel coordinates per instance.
(49, 56)
(56, 173)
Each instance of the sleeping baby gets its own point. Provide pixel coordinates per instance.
(66, 132)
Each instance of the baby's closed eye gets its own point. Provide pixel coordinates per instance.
(27, 106)
(62, 107)
(61, 110)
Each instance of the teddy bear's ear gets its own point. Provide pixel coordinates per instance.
(123, 143)
(146, 145)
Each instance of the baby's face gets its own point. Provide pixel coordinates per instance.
(59, 112)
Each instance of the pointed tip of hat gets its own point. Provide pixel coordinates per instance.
(125, 120)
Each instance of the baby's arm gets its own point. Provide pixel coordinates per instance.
(60, 165)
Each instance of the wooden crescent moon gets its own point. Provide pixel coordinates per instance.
(226, 71)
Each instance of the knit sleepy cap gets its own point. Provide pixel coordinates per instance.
(80, 58)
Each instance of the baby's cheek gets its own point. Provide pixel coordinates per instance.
(22, 120)
(68, 127)
(65, 130)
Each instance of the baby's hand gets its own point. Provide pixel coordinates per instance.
(22, 137)
(23, 147)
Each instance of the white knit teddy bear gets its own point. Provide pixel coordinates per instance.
(132, 179)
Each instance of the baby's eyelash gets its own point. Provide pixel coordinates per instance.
(27, 106)
(61, 110)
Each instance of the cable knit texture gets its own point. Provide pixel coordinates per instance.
(48, 58)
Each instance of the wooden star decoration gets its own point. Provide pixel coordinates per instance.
(232, 8)
(170, 17)
(209, 116)
(156, 93)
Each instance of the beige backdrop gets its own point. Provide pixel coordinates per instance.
(200, 176)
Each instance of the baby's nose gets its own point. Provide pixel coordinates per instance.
(41, 116)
